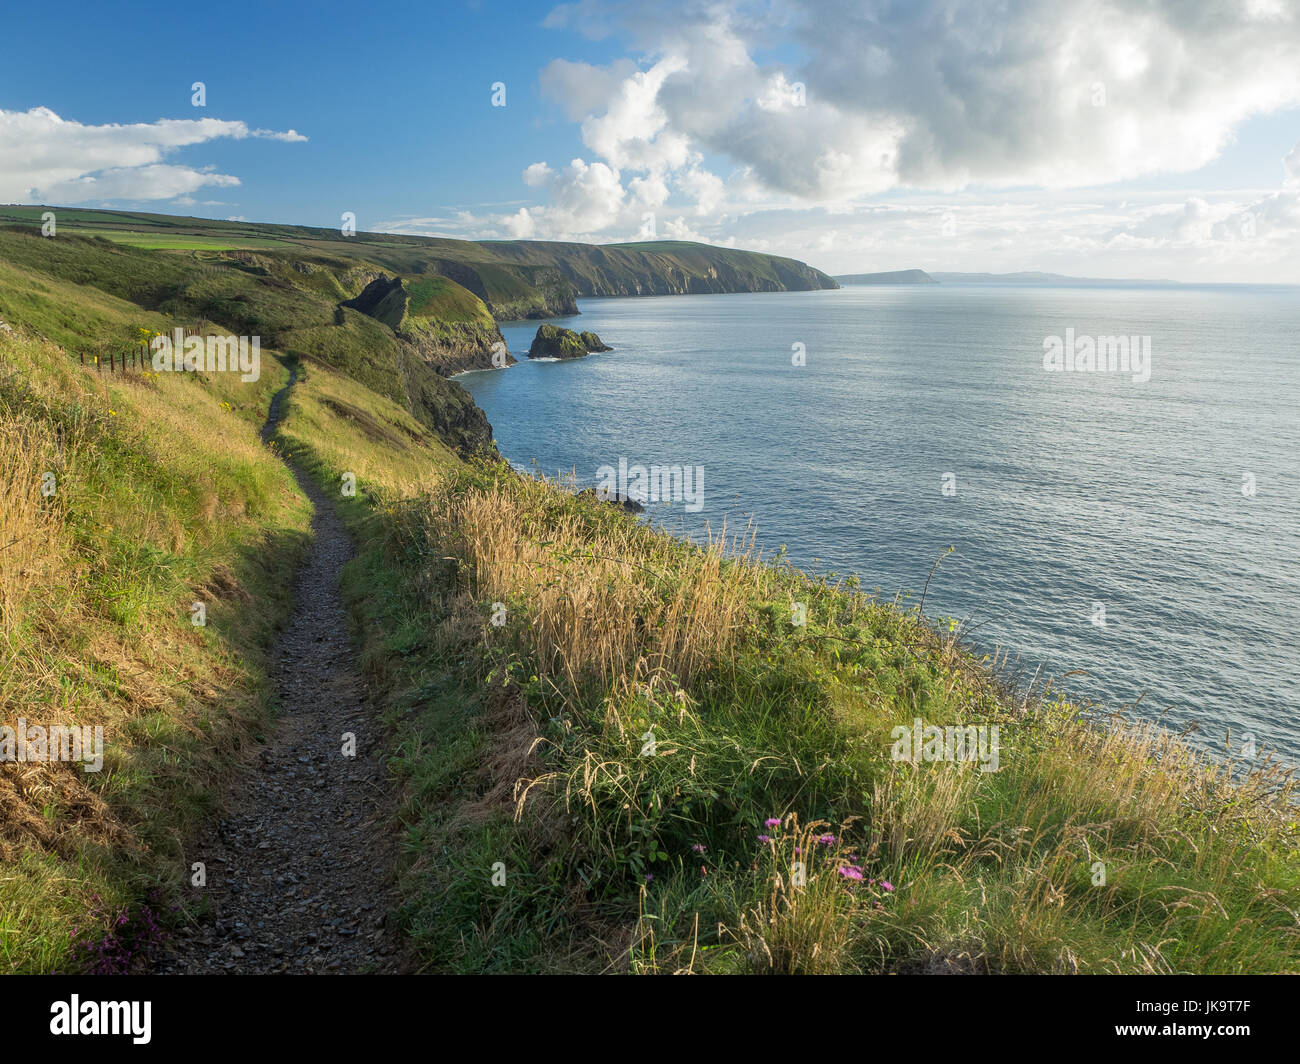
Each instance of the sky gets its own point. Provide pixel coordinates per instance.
(1104, 138)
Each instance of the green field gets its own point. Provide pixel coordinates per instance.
(178, 242)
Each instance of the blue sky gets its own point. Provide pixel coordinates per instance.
(395, 105)
(856, 134)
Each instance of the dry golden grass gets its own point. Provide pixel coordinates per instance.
(31, 457)
(616, 604)
(1096, 847)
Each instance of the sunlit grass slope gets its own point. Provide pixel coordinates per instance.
(620, 753)
(128, 498)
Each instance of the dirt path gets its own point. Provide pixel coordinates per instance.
(299, 868)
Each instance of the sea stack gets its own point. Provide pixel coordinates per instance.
(554, 341)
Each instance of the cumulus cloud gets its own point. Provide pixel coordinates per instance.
(944, 95)
(875, 134)
(56, 160)
(582, 89)
(584, 199)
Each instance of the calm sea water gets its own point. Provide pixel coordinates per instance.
(1073, 490)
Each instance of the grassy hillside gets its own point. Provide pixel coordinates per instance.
(532, 643)
(513, 278)
(662, 267)
(448, 326)
(766, 827)
(293, 302)
(162, 497)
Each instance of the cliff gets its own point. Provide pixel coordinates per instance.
(448, 326)
(658, 268)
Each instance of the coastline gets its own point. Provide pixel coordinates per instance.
(549, 399)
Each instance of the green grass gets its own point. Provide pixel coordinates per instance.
(93, 296)
(164, 497)
(437, 297)
(178, 242)
(760, 719)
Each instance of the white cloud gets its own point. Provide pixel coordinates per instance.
(159, 181)
(633, 132)
(958, 99)
(56, 160)
(585, 198)
(537, 175)
(949, 94)
(706, 189)
(582, 89)
(938, 133)
(1292, 165)
(290, 136)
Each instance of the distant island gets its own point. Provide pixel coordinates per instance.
(1038, 277)
(1025, 277)
(891, 277)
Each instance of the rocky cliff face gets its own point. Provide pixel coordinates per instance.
(453, 347)
(442, 322)
(446, 406)
(664, 267)
(513, 293)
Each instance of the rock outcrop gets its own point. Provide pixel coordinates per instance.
(447, 325)
(623, 502)
(554, 341)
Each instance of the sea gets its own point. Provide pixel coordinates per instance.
(1132, 518)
